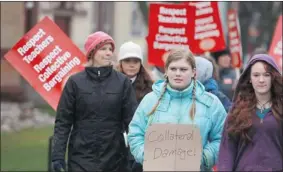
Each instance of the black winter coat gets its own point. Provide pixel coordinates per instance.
(97, 104)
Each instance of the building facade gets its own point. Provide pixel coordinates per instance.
(12, 29)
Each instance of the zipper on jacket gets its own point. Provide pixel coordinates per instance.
(98, 73)
(180, 115)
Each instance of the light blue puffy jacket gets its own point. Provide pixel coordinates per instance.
(174, 108)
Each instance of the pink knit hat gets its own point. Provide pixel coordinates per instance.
(97, 40)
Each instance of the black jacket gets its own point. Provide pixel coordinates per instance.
(97, 103)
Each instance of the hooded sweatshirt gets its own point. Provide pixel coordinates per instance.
(204, 74)
(264, 152)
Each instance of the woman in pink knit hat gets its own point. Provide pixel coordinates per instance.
(98, 104)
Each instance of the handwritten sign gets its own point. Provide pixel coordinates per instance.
(172, 147)
(46, 57)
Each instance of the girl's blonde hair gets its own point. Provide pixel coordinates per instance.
(175, 55)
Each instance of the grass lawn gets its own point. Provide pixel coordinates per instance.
(46, 108)
(26, 150)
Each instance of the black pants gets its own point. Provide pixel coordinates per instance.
(137, 167)
(133, 166)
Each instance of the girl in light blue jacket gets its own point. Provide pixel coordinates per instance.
(180, 99)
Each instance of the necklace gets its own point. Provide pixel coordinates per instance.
(261, 115)
(262, 106)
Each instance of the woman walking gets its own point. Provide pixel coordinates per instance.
(98, 104)
(252, 138)
(130, 63)
(180, 99)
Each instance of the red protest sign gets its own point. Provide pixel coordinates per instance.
(275, 49)
(46, 57)
(234, 38)
(168, 29)
(206, 34)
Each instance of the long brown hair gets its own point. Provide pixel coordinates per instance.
(244, 105)
(175, 55)
(143, 82)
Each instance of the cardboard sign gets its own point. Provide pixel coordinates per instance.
(172, 147)
(168, 29)
(46, 57)
(275, 49)
(234, 38)
(206, 34)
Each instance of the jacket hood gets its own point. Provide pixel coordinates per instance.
(204, 69)
(211, 85)
(258, 57)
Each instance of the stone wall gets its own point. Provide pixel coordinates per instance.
(18, 116)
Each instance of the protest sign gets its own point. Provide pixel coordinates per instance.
(168, 29)
(205, 29)
(172, 147)
(275, 49)
(195, 26)
(234, 38)
(46, 57)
